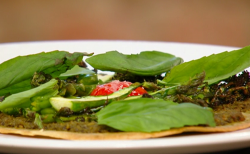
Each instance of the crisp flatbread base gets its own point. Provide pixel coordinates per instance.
(126, 135)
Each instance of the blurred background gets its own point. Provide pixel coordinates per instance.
(220, 22)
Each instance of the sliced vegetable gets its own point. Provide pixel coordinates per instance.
(149, 115)
(77, 81)
(145, 63)
(79, 104)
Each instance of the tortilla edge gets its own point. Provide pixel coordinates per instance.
(125, 135)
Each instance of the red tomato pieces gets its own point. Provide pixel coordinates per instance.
(138, 91)
(109, 88)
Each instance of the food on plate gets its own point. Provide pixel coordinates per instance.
(147, 95)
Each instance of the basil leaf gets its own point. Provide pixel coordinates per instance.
(15, 88)
(216, 66)
(23, 99)
(76, 70)
(145, 63)
(22, 68)
(148, 115)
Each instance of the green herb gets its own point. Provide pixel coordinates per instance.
(149, 115)
(145, 63)
(76, 70)
(216, 66)
(24, 99)
(38, 121)
(16, 73)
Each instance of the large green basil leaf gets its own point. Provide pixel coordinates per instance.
(145, 63)
(148, 115)
(216, 66)
(23, 99)
(21, 68)
(15, 88)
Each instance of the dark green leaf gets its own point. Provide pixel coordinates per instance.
(148, 115)
(38, 121)
(145, 63)
(23, 99)
(15, 88)
(22, 68)
(216, 66)
(76, 70)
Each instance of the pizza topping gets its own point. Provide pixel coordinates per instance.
(138, 91)
(75, 125)
(227, 117)
(146, 63)
(111, 87)
(80, 104)
(61, 86)
(135, 115)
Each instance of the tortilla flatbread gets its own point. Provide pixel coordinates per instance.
(126, 135)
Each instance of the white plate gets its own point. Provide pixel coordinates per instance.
(188, 143)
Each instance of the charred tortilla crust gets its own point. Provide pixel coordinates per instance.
(126, 135)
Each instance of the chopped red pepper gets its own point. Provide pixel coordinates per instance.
(109, 88)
